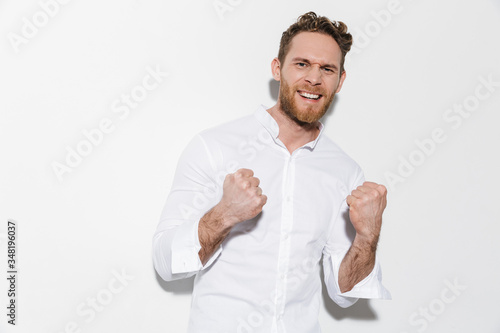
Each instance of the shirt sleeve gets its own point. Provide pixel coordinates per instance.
(340, 240)
(194, 192)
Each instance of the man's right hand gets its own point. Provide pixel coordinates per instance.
(242, 198)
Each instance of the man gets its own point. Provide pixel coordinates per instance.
(258, 202)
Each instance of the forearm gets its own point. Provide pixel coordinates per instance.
(357, 263)
(212, 230)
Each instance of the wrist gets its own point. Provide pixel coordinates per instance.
(368, 242)
(226, 220)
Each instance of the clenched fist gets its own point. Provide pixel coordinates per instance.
(366, 205)
(242, 198)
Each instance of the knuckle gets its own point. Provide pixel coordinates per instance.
(382, 189)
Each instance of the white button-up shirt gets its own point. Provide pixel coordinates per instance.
(265, 276)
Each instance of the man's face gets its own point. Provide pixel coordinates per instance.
(310, 76)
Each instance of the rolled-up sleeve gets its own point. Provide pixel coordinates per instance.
(339, 242)
(194, 191)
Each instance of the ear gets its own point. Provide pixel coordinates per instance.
(275, 69)
(341, 81)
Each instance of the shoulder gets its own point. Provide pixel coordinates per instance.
(231, 134)
(328, 146)
(232, 127)
(212, 142)
(339, 162)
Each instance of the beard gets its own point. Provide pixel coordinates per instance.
(308, 114)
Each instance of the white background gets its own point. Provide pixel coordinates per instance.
(409, 68)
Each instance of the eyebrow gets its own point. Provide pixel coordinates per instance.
(298, 59)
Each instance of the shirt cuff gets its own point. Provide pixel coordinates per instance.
(370, 287)
(185, 248)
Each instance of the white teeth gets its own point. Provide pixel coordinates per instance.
(307, 95)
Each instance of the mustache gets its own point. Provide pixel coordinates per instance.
(316, 91)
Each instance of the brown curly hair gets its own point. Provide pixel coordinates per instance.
(310, 22)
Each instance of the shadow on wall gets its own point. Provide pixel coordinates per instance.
(182, 286)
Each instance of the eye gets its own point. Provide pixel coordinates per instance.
(329, 70)
(301, 64)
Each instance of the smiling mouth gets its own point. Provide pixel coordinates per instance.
(310, 96)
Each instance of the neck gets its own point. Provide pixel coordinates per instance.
(292, 133)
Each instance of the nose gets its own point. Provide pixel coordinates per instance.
(313, 76)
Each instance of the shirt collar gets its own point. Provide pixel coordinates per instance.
(272, 127)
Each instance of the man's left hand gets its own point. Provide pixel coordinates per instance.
(366, 205)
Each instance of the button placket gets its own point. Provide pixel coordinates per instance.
(286, 228)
